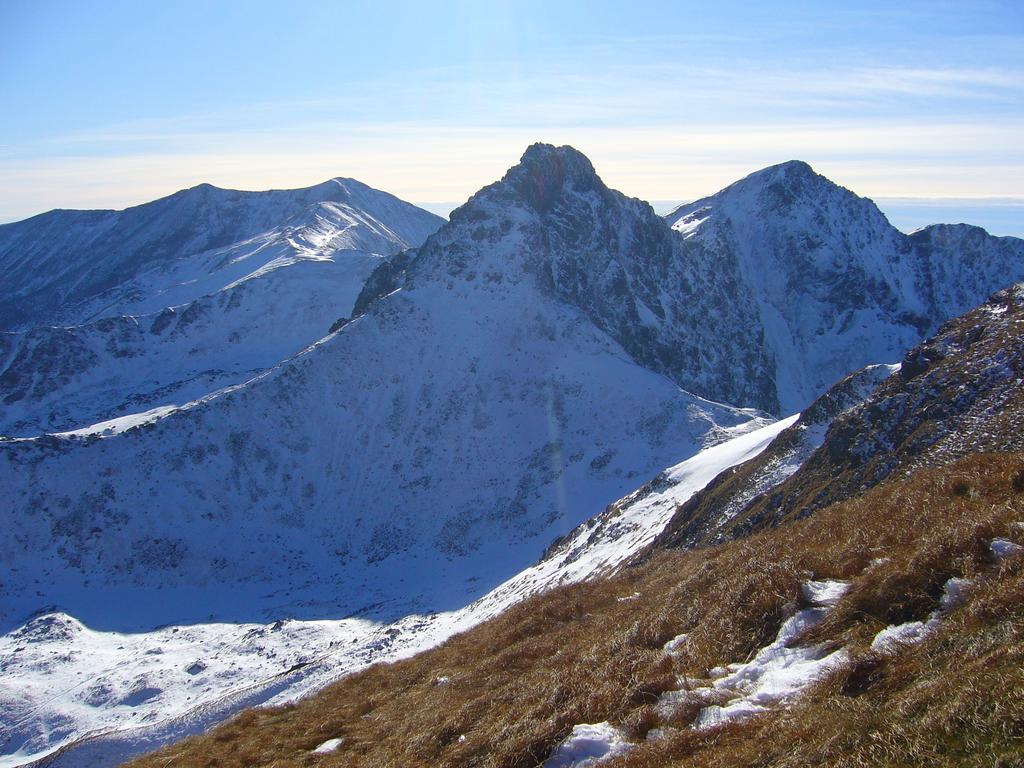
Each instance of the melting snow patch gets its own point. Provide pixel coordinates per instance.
(712, 716)
(776, 673)
(331, 745)
(673, 645)
(890, 639)
(824, 593)
(1004, 548)
(953, 595)
(588, 745)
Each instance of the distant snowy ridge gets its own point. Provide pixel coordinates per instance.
(70, 267)
(831, 285)
(174, 328)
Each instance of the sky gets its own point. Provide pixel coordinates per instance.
(919, 105)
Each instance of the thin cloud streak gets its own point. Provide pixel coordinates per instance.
(563, 93)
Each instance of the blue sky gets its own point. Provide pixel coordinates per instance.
(109, 104)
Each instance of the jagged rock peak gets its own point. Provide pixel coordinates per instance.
(545, 171)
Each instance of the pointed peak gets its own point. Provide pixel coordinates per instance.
(540, 154)
(793, 166)
(789, 171)
(783, 189)
(783, 184)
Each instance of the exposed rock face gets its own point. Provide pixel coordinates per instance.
(613, 258)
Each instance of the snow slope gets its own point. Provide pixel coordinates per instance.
(170, 329)
(716, 513)
(70, 267)
(605, 541)
(133, 691)
(832, 286)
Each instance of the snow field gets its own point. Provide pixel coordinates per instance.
(65, 680)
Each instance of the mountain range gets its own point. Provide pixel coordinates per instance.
(325, 403)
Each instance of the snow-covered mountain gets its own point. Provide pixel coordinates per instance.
(499, 385)
(70, 267)
(426, 451)
(138, 690)
(830, 284)
(117, 312)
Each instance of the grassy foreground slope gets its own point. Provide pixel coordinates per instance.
(505, 693)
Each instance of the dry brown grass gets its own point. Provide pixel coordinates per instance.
(580, 654)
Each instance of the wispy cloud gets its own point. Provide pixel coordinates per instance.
(922, 122)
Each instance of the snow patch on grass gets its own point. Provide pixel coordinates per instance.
(824, 593)
(587, 745)
(331, 745)
(1004, 548)
(775, 674)
(892, 638)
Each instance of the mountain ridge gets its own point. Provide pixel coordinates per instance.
(193, 322)
(198, 219)
(304, 444)
(834, 285)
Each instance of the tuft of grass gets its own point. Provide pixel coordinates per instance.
(1018, 481)
(579, 654)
